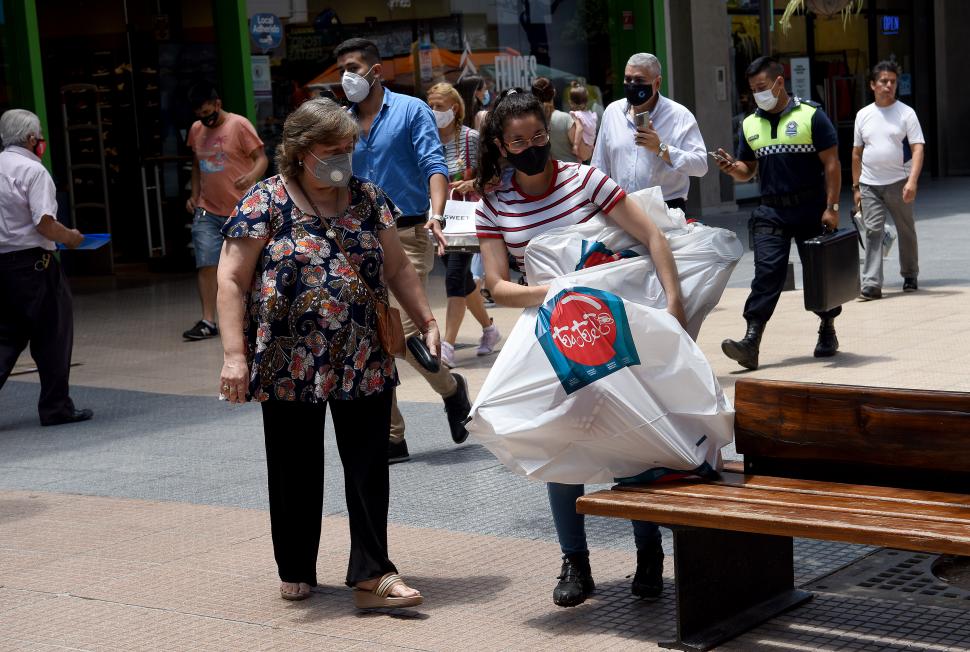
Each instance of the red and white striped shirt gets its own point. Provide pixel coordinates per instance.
(577, 193)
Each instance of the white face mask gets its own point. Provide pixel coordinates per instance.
(444, 118)
(356, 87)
(766, 100)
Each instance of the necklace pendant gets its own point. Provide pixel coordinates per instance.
(331, 234)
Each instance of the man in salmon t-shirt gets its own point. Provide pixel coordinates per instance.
(229, 160)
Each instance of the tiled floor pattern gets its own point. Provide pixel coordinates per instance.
(87, 573)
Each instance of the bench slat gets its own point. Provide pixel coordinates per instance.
(780, 520)
(823, 502)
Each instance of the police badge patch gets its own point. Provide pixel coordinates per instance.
(791, 129)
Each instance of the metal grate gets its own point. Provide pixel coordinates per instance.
(894, 575)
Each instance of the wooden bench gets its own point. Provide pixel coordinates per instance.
(864, 465)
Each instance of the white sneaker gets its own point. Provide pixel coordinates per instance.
(490, 337)
(448, 354)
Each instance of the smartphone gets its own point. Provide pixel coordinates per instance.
(717, 157)
(641, 119)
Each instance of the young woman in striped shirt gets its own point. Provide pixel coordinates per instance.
(539, 194)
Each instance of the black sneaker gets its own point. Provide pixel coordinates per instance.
(457, 408)
(871, 294)
(201, 331)
(74, 417)
(575, 581)
(909, 284)
(648, 582)
(397, 452)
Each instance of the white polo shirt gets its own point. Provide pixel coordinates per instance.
(27, 194)
(635, 167)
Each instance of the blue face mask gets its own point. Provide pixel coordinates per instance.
(486, 98)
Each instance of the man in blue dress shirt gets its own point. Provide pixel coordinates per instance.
(400, 151)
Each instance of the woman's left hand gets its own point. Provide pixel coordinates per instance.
(432, 338)
(234, 379)
(435, 227)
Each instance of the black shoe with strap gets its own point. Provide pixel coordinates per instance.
(828, 343)
(648, 583)
(575, 581)
(745, 350)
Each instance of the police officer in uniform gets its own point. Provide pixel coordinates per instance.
(792, 144)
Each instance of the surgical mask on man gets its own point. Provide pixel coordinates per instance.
(766, 100)
(444, 119)
(334, 171)
(356, 87)
(210, 120)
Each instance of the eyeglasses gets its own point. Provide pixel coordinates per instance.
(519, 146)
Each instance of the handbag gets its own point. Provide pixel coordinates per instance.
(390, 329)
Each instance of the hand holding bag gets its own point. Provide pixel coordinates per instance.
(390, 329)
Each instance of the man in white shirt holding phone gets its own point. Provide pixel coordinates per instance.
(647, 139)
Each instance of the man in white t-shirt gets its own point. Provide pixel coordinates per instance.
(887, 158)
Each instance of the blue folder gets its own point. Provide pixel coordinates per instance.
(91, 241)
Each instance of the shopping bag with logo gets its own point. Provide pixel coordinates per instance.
(705, 258)
(593, 387)
(459, 231)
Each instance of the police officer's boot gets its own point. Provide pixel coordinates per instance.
(745, 350)
(828, 343)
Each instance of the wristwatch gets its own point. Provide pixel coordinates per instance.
(661, 150)
(440, 219)
(832, 207)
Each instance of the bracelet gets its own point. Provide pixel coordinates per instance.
(855, 186)
(427, 325)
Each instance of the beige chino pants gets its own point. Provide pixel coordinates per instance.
(420, 251)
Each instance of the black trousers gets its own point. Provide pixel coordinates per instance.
(36, 308)
(772, 230)
(294, 460)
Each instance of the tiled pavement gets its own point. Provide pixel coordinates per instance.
(145, 529)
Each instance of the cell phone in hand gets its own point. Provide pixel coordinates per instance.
(718, 157)
(422, 354)
(641, 119)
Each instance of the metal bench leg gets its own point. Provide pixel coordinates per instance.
(728, 582)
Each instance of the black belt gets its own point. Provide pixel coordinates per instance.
(25, 254)
(792, 199)
(406, 221)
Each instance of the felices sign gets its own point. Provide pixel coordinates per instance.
(512, 71)
(585, 334)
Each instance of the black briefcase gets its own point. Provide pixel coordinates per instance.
(830, 270)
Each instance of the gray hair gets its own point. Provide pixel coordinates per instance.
(645, 60)
(17, 125)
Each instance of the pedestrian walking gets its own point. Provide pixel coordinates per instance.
(544, 194)
(228, 158)
(560, 122)
(36, 306)
(649, 140)
(473, 92)
(887, 159)
(585, 122)
(792, 146)
(461, 155)
(400, 151)
(308, 254)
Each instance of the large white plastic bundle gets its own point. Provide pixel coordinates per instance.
(705, 256)
(593, 386)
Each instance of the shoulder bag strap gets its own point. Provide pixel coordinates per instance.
(340, 246)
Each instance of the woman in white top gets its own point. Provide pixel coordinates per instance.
(541, 194)
(461, 155)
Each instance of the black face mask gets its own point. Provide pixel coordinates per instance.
(638, 94)
(532, 161)
(210, 120)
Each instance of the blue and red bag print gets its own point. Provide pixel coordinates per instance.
(585, 334)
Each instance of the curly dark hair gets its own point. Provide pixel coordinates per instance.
(512, 103)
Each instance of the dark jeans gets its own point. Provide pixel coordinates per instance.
(36, 308)
(571, 526)
(294, 460)
(772, 230)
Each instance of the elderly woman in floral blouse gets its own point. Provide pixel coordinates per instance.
(298, 330)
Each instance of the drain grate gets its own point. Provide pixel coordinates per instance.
(894, 575)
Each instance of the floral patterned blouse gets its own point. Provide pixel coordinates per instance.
(310, 325)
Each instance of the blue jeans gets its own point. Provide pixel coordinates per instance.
(571, 526)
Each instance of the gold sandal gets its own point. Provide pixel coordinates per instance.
(379, 597)
(301, 594)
